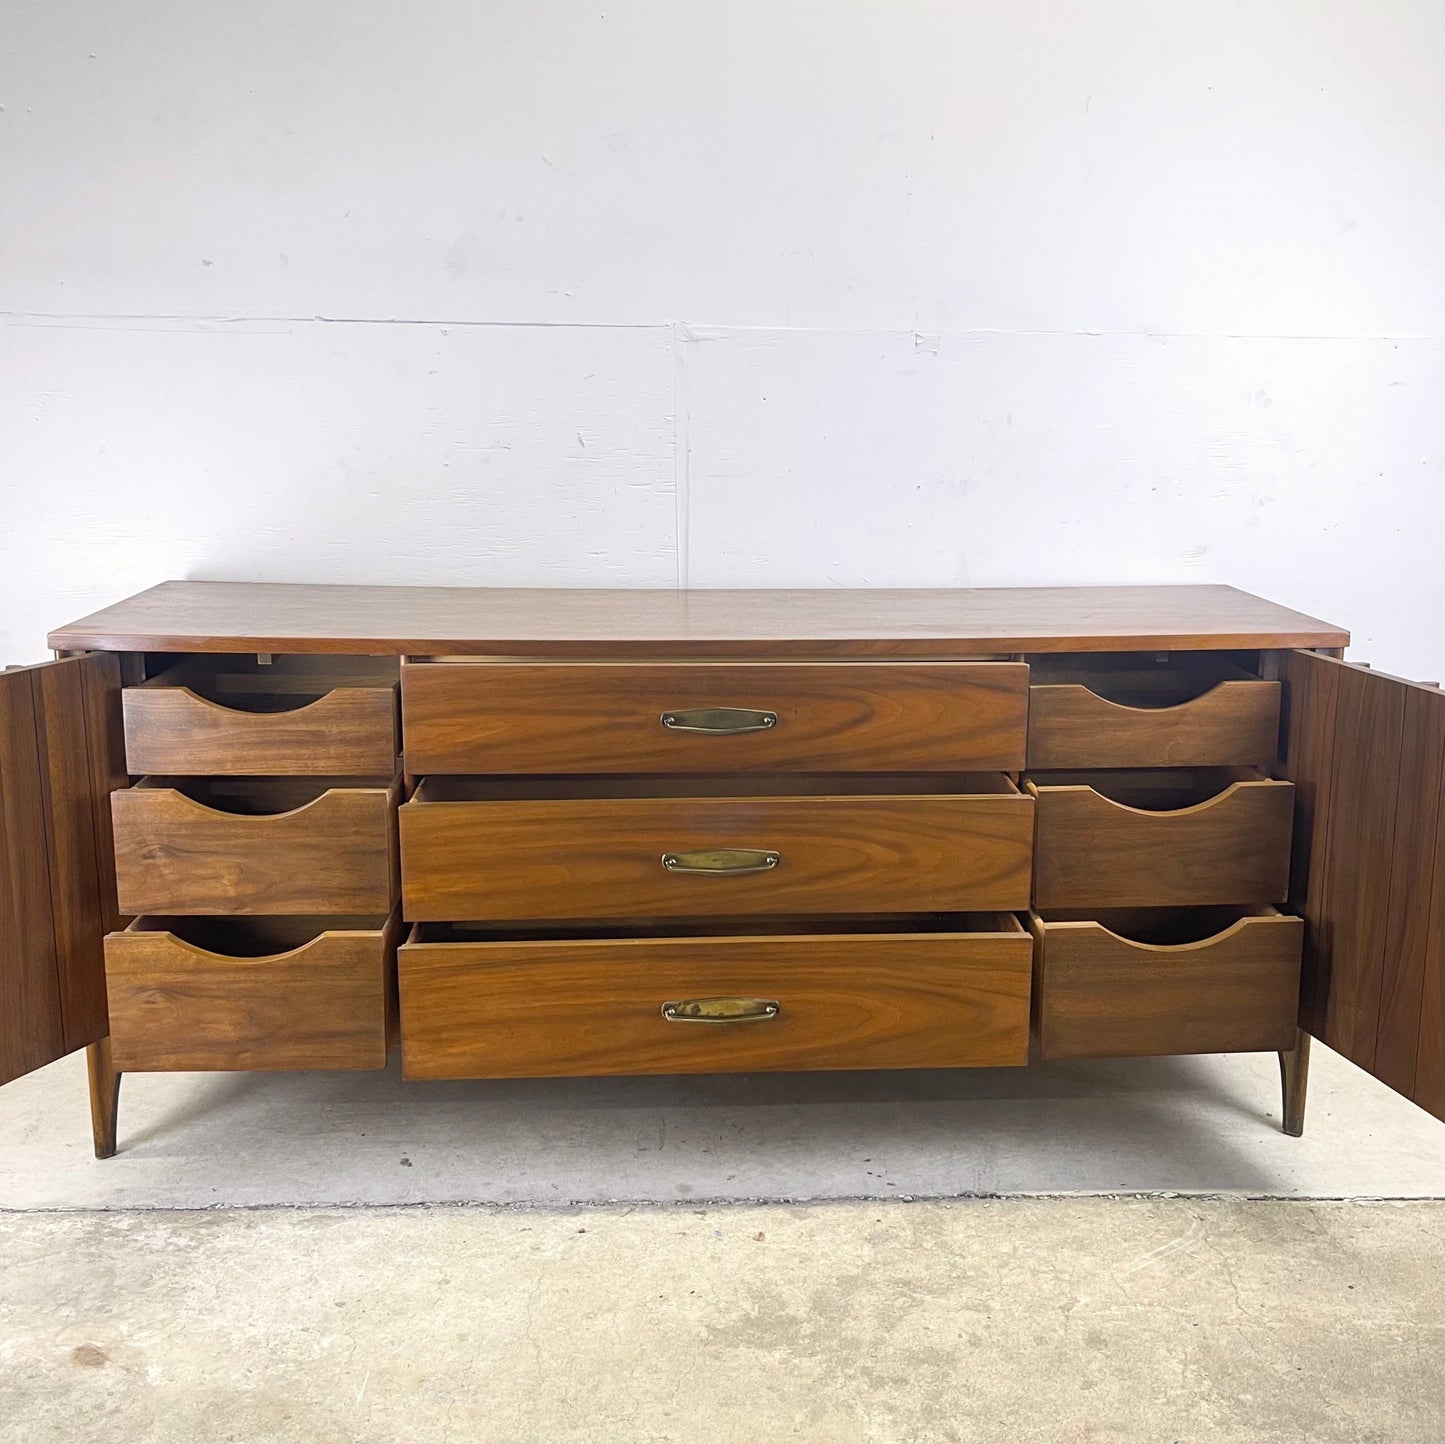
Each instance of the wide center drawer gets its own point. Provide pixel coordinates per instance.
(610, 848)
(481, 1004)
(513, 717)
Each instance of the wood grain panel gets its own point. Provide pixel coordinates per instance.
(58, 759)
(176, 853)
(176, 731)
(663, 623)
(1364, 793)
(1429, 1090)
(1412, 934)
(1097, 851)
(1236, 723)
(1102, 995)
(1365, 749)
(319, 1000)
(573, 718)
(601, 857)
(1311, 698)
(32, 1030)
(534, 1009)
(80, 739)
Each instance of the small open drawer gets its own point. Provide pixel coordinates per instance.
(239, 716)
(1182, 838)
(722, 996)
(252, 993)
(1182, 980)
(255, 845)
(507, 849)
(1184, 710)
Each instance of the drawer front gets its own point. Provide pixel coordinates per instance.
(327, 1002)
(1234, 724)
(1100, 995)
(1093, 852)
(609, 858)
(462, 717)
(174, 855)
(350, 732)
(536, 1009)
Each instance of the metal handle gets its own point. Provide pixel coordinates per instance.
(721, 861)
(721, 1010)
(719, 721)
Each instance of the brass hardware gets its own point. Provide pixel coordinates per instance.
(721, 1010)
(721, 861)
(719, 721)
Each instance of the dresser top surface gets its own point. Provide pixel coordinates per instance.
(519, 622)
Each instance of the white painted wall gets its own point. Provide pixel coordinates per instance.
(640, 292)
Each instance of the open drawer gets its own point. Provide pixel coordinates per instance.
(1180, 980)
(1191, 837)
(502, 850)
(469, 716)
(252, 993)
(946, 992)
(239, 716)
(255, 845)
(1135, 710)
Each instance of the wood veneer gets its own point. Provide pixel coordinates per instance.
(262, 845)
(484, 1009)
(1124, 985)
(229, 719)
(466, 854)
(747, 625)
(254, 994)
(1156, 839)
(576, 718)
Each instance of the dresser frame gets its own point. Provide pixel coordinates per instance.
(1365, 754)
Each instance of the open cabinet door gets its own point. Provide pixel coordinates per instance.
(1366, 753)
(61, 755)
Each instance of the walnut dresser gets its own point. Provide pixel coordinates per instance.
(527, 833)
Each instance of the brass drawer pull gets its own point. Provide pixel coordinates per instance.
(719, 721)
(721, 1010)
(721, 861)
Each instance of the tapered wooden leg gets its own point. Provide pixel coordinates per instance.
(1294, 1077)
(104, 1096)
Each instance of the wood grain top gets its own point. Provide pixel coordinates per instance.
(532, 622)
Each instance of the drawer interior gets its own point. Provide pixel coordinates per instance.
(889, 784)
(1172, 927)
(283, 684)
(1145, 679)
(256, 937)
(256, 796)
(933, 924)
(1164, 789)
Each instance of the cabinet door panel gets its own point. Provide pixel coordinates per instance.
(1367, 755)
(59, 760)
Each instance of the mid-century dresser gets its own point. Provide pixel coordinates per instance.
(531, 833)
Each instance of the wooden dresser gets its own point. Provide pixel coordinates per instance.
(532, 833)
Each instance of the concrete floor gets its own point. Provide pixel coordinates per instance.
(1256, 1312)
(1008, 1321)
(1181, 1125)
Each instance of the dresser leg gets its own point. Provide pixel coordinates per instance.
(104, 1096)
(1294, 1077)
